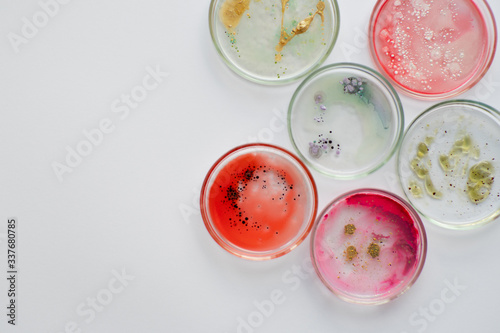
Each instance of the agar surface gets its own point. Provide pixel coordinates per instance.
(455, 165)
(301, 27)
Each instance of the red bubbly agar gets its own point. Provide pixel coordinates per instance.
(259, 201)
(380, 220)
(427, 47)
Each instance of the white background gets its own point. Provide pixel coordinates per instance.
(131, 205)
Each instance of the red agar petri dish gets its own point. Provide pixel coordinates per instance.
(368, 246)
(258, 201)
(433, 49)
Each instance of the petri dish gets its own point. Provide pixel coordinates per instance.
(273, 42)
(345, 120)
(448, 161)
(258, 201)
(432, 49)
(368, 246)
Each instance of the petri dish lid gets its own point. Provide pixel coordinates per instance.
(345, 120)
(448, 161)
(251, 40)
(432, 49)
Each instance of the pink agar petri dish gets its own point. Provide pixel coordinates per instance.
(368, 246)
(433, 49)
(258, 201)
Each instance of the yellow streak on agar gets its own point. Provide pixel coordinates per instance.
(301, 27)
(231, 12)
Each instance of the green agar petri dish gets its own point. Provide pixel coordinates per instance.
(273, 42)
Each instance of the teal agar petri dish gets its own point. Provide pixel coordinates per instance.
(345, 120)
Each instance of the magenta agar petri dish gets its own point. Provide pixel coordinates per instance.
(368, 246)
(432, 49)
